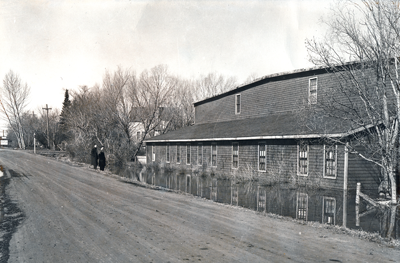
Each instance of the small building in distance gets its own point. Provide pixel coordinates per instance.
(269, 128)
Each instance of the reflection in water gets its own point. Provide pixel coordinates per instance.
(333, 207)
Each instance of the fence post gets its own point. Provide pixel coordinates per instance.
(358, 193)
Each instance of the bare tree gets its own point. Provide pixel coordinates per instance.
(151, 98)
(13, 101)
(361, 52)
(212, 85)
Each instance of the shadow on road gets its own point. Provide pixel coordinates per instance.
(11, 216)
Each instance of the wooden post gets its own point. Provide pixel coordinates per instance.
(345, 178)
(34, 143)
(358, 193)
(357, 215)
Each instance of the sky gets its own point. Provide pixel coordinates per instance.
(57, 45)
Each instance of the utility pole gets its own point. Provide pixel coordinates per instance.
(48, 138)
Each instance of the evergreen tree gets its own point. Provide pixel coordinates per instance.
(64, 113)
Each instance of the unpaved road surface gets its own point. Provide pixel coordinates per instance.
(55, 212)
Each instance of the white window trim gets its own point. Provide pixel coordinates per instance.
(167, 153)
(190, 154)
(336, 164)
(258, 157)
(216, 155)
(200, 145)
(240, 103)
(180, 154)
(298, 160)
(309, 91)
(323, 209)
(297, 205)
(153, 154)
(232, 156)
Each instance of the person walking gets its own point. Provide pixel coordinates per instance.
(102, 159)
(94, 157)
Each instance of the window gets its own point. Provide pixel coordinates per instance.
(200, 154)
(235, 155)
(312, 93)
(302, 206)
(138, 135)
(187, 153)
(330, 161)
(153, 154)
(178, 154)
(329, 210)
(262, 157)
(213, 155)
(167, 153)
(237, 104)
(303, 159)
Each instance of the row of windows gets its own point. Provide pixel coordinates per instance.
(330, 157)
(312, 95)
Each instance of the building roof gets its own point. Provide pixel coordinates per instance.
(282, 126)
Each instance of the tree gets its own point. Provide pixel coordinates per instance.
(65, 110)
(361, 51)
(152, 99)
(212, 85)
(13, 101)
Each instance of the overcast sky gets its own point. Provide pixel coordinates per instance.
(57, 45)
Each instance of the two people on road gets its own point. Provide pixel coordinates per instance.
(96, 158)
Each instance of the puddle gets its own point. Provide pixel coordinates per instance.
(333, 207)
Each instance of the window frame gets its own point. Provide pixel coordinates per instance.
(153, 154)
(324, 174)
(178, 154)
(233, 155)
(212, 154)
(265, 156)
(238, 106)
(200, 149)
(312, 101)
(323, 209)
(304, 210)
(299, 173)
(167, 153)
(188, 153)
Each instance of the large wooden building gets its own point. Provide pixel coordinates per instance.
(268, 127)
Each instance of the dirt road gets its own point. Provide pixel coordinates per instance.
(55, 212)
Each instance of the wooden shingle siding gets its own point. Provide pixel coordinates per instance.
(273, 97)
(363, 172)
(281, 161)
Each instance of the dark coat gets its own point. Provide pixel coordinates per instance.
(93, 157)
(102, 160)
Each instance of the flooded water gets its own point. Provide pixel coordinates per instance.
(333, 207)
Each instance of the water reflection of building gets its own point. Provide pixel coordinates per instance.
(258, 128)
(325, 206)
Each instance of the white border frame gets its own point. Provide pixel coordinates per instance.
(298, 160)
(336, 165)
(202, 153)
(153, 154)
(323, 209)
(297, 206)
(232, 156)
(258, 157)
(178, 146)
(216, 155)
(309, 91)
(240, 103)
(167, 153)
(190, 153)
